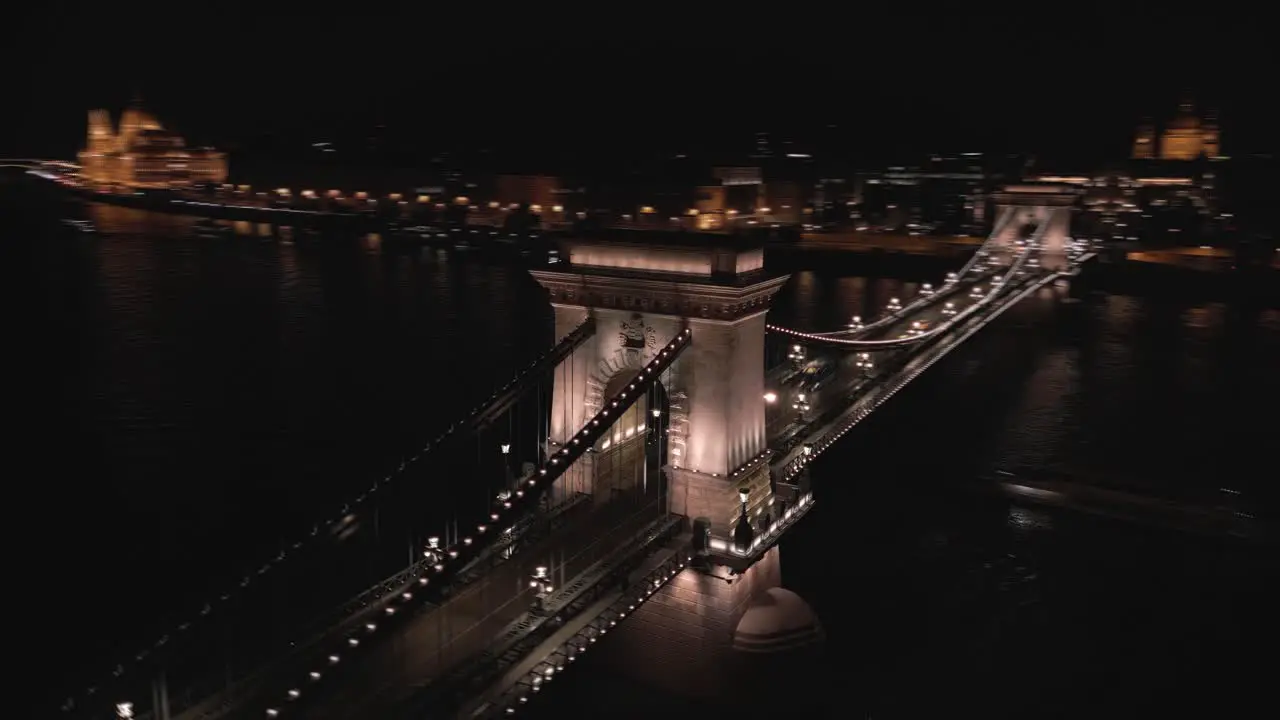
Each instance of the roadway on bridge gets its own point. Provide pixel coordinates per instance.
(788, 419)
(388, 674)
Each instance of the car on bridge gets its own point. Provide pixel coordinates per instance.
(816, 375)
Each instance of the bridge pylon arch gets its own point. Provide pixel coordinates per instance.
(1040, 204)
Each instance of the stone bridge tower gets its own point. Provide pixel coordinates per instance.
(642, 294)
(1040, 203)
(722, 632)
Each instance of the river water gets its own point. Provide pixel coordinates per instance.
(179, 409)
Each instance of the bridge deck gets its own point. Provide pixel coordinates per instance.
(786, 425)
(561, 649)
(439, 639)
(844, 408)
(973, 299)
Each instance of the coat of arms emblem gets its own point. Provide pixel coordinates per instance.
(635, 335)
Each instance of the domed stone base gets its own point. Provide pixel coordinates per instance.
(777, 621)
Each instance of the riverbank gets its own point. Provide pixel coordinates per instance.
(848, 241)
(1208, 259)
(1126, 276)
(313, 219)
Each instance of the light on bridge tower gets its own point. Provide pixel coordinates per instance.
(743, 535)
(124, 710)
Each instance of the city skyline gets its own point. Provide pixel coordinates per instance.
(1078, 90)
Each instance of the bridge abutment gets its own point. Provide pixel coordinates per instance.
(709, 638)
(680, 641)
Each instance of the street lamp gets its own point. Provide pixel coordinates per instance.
(541, 584)
(540, 581)
(433, 551)
(771, 397)
(124, 710)
(508, 475)
(801, 403)
(655, 429)
(743, 534)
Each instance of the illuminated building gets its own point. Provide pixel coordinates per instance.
(1186, 137)
(1144, 143)
(1210, 146)
(143, 155)
(943, 194)
(531, 190)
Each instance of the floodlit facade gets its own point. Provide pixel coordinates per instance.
(1186, 137)
(143, 155)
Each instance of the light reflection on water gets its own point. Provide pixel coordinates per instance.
(1027, 520)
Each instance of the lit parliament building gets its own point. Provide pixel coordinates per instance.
(1186, 137)
(142, 155)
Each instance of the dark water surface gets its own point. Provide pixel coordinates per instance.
(181, 409)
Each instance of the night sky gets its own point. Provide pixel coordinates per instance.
(1049, 82)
